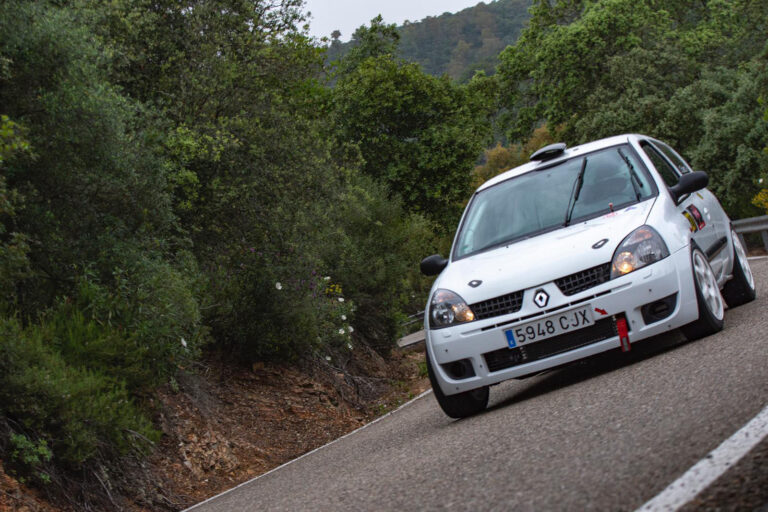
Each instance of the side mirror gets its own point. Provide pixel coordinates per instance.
(689, 183)
(433, 265)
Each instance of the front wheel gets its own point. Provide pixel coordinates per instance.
(741, 288)
(460, 405)
(708, 297)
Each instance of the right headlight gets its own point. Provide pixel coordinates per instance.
(447, 309)
(640, 248)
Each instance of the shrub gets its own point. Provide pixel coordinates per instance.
(78, 413)
(139, 329)
(375, 255)
(278, 306)
(29, 456)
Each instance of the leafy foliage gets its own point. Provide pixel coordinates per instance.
(500, 159)
(688, 73)
(78, 413)
(94, 302)
(418, 134)
(375, 256)
(14, 246)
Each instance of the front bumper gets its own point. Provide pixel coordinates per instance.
(624, 296)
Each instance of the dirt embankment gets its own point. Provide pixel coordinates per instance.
(223, 425)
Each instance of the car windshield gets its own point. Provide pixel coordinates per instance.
(542, 200)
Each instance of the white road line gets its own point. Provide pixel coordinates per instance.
(707, 470)
(310, 452)
(750, 258)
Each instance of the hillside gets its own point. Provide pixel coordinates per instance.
(461, 43)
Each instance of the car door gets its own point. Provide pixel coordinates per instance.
(699, 208)
(713, 214)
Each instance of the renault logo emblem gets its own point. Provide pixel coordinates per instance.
(541, 298)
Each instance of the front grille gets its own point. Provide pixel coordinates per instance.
(580, 281)
(508, 357)
(503, 305)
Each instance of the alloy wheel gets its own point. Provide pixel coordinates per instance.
(708, 285)
(741, 256)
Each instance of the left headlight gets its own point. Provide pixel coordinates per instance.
(447, 309)
(640, 248)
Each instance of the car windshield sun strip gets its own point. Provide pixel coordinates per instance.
(577, 190)
(633, 178)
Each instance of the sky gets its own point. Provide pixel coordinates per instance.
(347, 15)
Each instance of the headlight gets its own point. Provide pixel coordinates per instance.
(448, 309)
(642, 247)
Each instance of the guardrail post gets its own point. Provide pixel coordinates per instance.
(752, 225)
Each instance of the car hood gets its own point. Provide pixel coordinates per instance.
(543, 258)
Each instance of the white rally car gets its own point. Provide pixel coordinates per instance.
(580, 251)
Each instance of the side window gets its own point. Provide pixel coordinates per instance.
(682, 166)
(667, 172)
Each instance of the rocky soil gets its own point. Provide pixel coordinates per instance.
(224, 425)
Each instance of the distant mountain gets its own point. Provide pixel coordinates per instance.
(458, 44)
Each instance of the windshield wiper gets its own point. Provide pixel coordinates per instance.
(577, 190)
(633, 178)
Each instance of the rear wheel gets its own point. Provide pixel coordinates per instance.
(741, 288)
(460, 405)
(708, 297)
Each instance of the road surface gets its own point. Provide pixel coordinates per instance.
(607, 434)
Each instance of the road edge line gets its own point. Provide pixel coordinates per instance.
(710, 468)
(309, 452)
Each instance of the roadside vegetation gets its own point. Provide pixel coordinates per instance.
(182, 179)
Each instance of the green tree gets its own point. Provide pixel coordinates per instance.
(96, 305)
(560, 60)
(377, 40)
(418, 134)
(690, 73)
(94, 184)
(14, 246)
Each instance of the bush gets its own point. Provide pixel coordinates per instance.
(29, 456)
(357, 269)
(78, 413)
(139, 329)
(375, 255)
(273, 305)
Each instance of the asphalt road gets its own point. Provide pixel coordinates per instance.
(606, 434)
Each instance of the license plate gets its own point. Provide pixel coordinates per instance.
(550, 326)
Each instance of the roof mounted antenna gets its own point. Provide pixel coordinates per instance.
(549, 152)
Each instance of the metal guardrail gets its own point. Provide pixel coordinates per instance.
(752, 225)
(413, 338)
(416, 317)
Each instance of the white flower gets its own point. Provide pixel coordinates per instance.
(341, 331)
(341, 299)
(349, 346)
(343, 317)
(760, 180)
(351, 330)
(183, 342)
(278, 285)
(327, 278)
(327, 358)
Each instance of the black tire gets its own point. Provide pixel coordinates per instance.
(460, 405)
(708, 297)
(741, 288)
